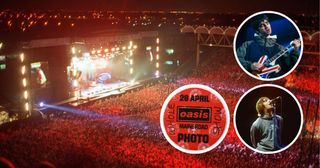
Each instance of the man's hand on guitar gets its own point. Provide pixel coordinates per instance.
(257, 67)
(296, 44)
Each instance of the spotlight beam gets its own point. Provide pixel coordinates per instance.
(116, 120)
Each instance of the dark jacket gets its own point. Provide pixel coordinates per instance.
(251, 51)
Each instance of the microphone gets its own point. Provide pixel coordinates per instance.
(275, 99)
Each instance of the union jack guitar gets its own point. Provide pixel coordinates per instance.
(269, 63)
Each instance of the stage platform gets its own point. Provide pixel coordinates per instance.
(102, 91)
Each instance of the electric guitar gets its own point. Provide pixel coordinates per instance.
(269, 63)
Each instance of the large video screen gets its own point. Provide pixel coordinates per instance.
(39, 75)
(90, 71)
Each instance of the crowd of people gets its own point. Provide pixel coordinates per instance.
(304, 79)
(134, 103)
(126, 132)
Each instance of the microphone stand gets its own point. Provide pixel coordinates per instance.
(281, 124)
(274, 123)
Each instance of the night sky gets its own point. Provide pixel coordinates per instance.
(212, 6)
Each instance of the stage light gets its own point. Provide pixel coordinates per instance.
(26, 105)
(106, 50)
(99, 51)
(157, 56)
(112, 49)
(135, 46)
(25, 94)
(151, 58)
(23, 69)
(73, 49)
(75, 83)
(93, 51)
(117, 49)
(24, 82)
(76, 94)
(74, 72)
(130, 43)
(1, 44)
(124, 48)
(157, 73)
(158, 40)
(131, 70)
(74, 59)
(22, 57)
(157, 49)
(148, 48)
(131, 61)
(157, 64)
(41, 104)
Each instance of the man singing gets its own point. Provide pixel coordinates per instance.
(265, 132)
(264, 43)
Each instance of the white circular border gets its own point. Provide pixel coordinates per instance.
(212, 91)
(235, 50)
(279, 87)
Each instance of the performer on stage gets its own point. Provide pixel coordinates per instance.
(265, 132)
(264, 43)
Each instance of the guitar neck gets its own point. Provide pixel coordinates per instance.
(278, 55)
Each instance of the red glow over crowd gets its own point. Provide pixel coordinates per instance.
(127, 131)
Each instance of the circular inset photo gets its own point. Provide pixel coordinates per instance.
(194, 119)
(268, 119)
(268, 45)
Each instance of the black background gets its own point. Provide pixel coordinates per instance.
(246, 113)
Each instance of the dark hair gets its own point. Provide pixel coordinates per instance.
(257, 20)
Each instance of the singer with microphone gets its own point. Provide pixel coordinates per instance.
(263, 56)
(265, 132)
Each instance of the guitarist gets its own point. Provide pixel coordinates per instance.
(264, 43)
